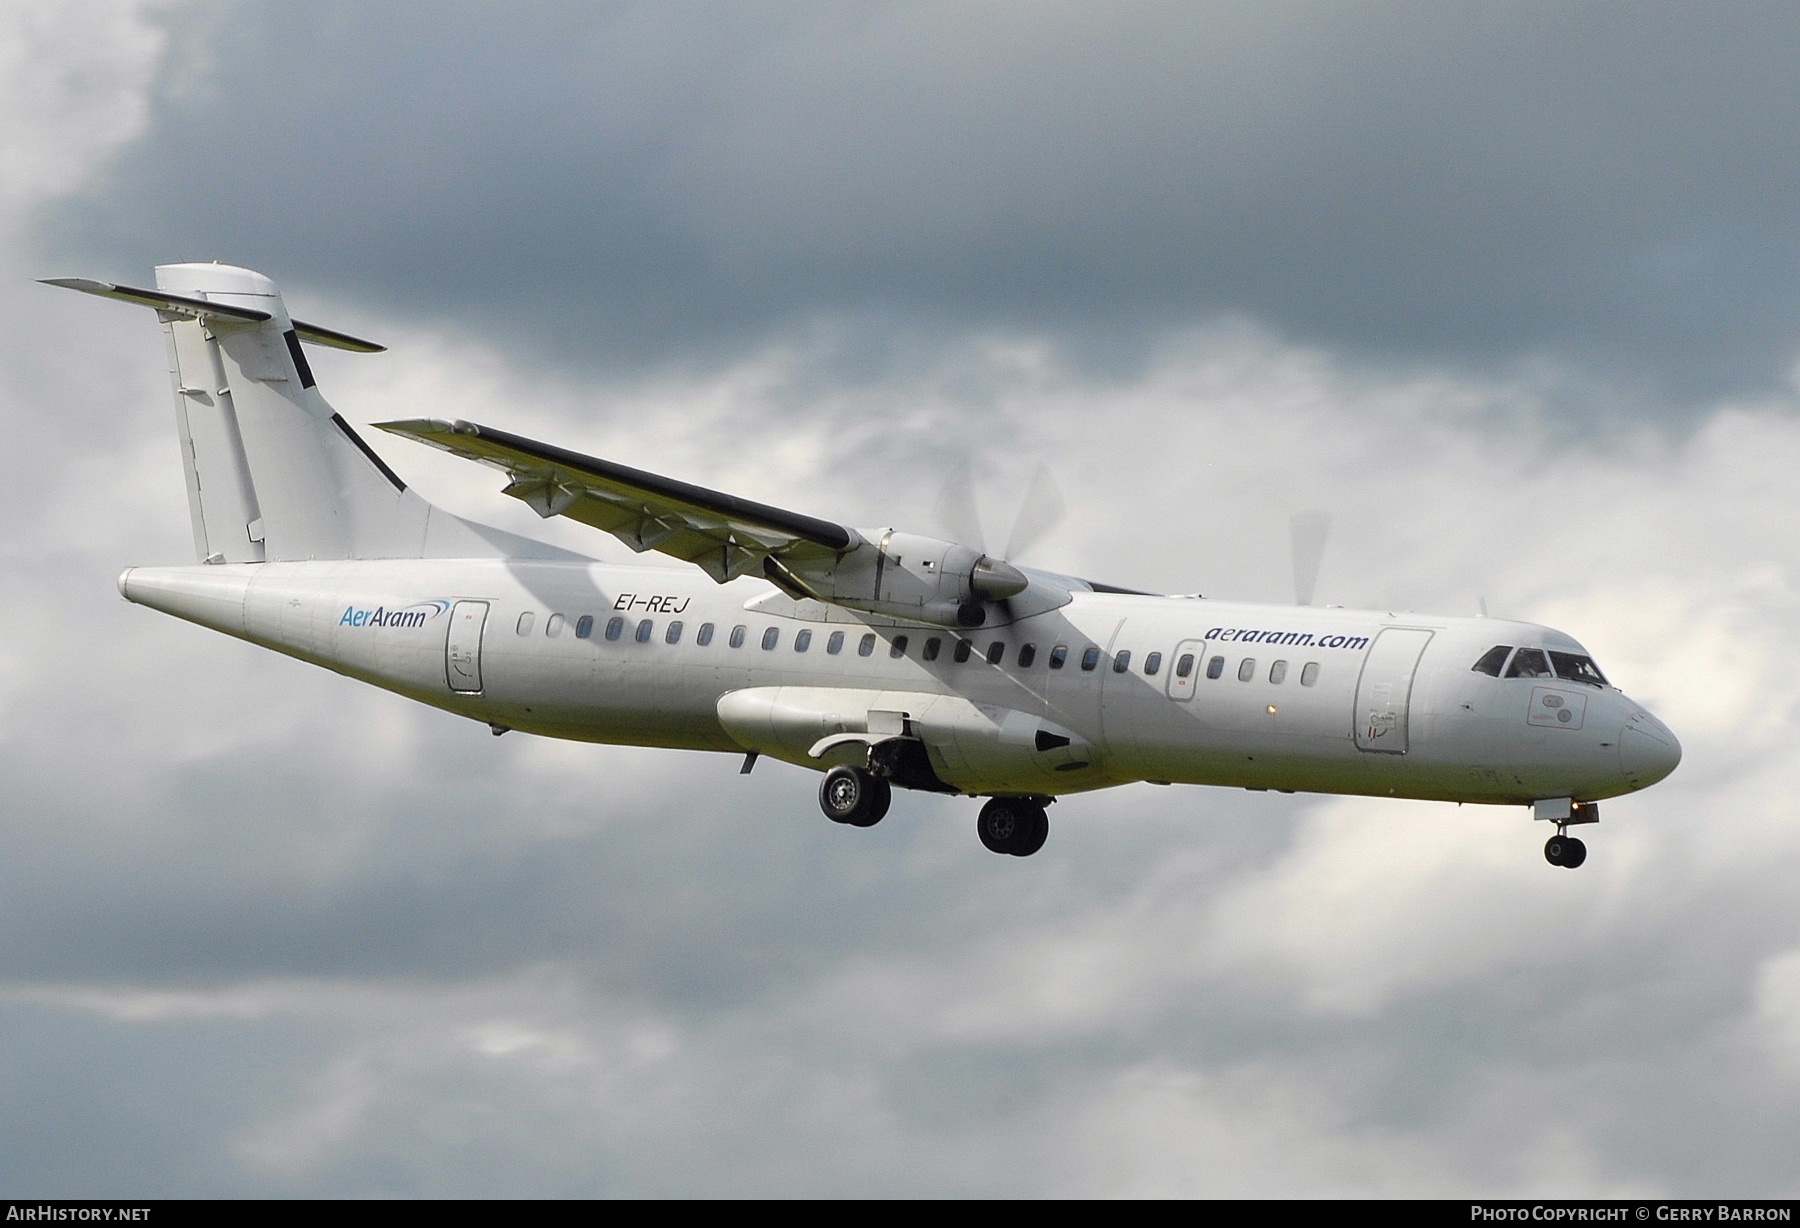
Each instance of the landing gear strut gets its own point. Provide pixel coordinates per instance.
(851, 795)
(1014, 825)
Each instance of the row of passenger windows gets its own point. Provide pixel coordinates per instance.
(1539, 663)
(645, 632)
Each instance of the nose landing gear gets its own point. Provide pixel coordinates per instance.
(1565, 851)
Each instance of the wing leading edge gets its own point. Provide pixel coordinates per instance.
(722, 534)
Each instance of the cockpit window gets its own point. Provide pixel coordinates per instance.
(1528, 663)
(1492, 660)
(1577, 668)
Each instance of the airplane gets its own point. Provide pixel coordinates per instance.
(875, 656)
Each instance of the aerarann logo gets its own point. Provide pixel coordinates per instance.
(415, 615)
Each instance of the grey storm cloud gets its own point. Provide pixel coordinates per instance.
(1614, 184)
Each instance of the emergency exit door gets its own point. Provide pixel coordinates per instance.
(462, 649)
(1384, 691)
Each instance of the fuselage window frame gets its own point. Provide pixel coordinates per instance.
(737, 635)
(524, 625)
(803, 639)
(866, 646)
(1309, 674)
(646, 631)
(1278, 673)
(673, 634)
(1246, 669)
(703, 637)
(996, 653)
(584, 626)
(553, 626)
(834, 643)
(1152, 664)
(615, 627)
(1215, 668)
(771, 637)
(897, 647)
(1027, 655)
(1059, 656)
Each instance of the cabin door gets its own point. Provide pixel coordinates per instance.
(1384, 692)
(462, 650)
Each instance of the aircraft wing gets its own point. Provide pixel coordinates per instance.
(722, 534)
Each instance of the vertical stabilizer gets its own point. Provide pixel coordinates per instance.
(273, 474)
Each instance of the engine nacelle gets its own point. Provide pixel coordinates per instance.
(906, 575)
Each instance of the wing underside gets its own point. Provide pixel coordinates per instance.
(723, 535)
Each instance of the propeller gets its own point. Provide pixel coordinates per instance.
(959, 515)
(1308, 531)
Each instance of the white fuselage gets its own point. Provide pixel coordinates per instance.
(1363, 702)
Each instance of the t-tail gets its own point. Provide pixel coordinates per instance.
(273, 473)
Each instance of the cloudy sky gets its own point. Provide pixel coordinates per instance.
(1513, 291)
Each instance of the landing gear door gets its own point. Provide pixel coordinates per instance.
(1184, 668)
(1384, 691)
(462, 650)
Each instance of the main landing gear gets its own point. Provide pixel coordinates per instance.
(1015, 825)
(859, 798)
(854, 796)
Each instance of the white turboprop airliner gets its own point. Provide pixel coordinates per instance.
(876, 656)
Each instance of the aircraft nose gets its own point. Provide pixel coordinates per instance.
(1647, 751)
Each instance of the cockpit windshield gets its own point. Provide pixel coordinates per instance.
(1492, 660)
(1577, 668)
(1528, 663)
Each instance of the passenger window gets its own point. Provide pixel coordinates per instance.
(1309, 673)
(703, 637)
(525, 621)
(737, 636)
(1090, 657)
(674, 633)
(931, 648)
(553, 625)
(802, 641)
(1153, 662)
(1058, 655)
(584, 626)
(771, 637)
(1185, 665)
(996, 652)
(866, 647)
(1528, 663)
(963, 649)
(835, 644)
(615, 627)
(645, 630)
(898, 647)
(1577, 668)
(1215, 668)
(1247, 669)
(1027, 654)
(1122, 661)
(1492, 660)
(1278, 672)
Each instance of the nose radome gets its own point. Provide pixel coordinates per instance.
(1647, 751)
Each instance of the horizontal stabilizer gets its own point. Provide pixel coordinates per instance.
(199, 308)
(722, 534)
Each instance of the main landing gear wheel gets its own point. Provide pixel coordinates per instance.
(1564, 851)
(851, 795)
(1012, 825)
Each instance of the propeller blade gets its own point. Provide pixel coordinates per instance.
(1309, 530)
(1040, 512)
(955, 510)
